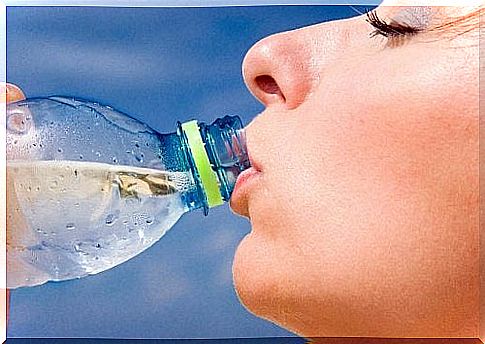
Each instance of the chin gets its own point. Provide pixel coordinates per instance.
(267, 286)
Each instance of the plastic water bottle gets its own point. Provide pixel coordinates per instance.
(89, 187)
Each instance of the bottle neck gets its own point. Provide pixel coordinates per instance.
(216, 154)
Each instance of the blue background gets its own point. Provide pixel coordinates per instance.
(160, 65)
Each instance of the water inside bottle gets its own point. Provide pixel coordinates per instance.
(68, 219)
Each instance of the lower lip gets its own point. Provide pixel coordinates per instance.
(244, 179)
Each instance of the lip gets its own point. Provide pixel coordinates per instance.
(240, 195)
(244, 178)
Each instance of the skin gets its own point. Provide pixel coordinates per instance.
(364, 211)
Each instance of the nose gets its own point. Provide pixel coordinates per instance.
(280, 69)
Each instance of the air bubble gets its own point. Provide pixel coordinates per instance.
(110, 219)
(98, 154)
(115, 160)
(80, 157)
(139, 157)
(70, 226)
(59, 150)
(53, 184)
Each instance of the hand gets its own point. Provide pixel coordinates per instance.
(9, 93)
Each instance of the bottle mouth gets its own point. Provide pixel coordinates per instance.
(226, 147)
(217, 154)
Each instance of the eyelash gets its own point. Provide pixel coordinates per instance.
(389, 30)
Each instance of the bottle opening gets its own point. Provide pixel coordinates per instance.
(226, 146)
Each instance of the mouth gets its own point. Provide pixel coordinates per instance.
(244, 183)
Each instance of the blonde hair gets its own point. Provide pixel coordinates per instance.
(463, 24)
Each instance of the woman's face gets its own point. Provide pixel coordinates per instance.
(364, 211)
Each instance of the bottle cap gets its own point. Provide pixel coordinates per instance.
(207, 175)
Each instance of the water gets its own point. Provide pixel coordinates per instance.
(69, 219)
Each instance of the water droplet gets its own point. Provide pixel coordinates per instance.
(29, 188)
(98, 154)
(39, 230)
(77, 247)
(15, 142)
(59, 150)
(80, 157)
(70, 226)
(149, 221)
(110, 219)
(98, 245)
(37, 188)
(76, 204)
(137, 145)
(139, 157)
(115, 160)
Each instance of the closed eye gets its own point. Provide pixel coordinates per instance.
(392, 29)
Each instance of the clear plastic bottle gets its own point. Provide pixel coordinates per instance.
(89, 187)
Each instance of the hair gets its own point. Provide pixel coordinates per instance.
(463, 24)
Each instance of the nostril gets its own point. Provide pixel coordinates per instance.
(268, 85)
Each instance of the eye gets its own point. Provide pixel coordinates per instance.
(390, 30)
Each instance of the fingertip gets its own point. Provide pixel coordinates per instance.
(10, 93)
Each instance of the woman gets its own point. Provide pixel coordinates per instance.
(364, 196)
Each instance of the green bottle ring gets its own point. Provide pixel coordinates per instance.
(207, 175)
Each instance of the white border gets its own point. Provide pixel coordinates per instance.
(141, 3)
